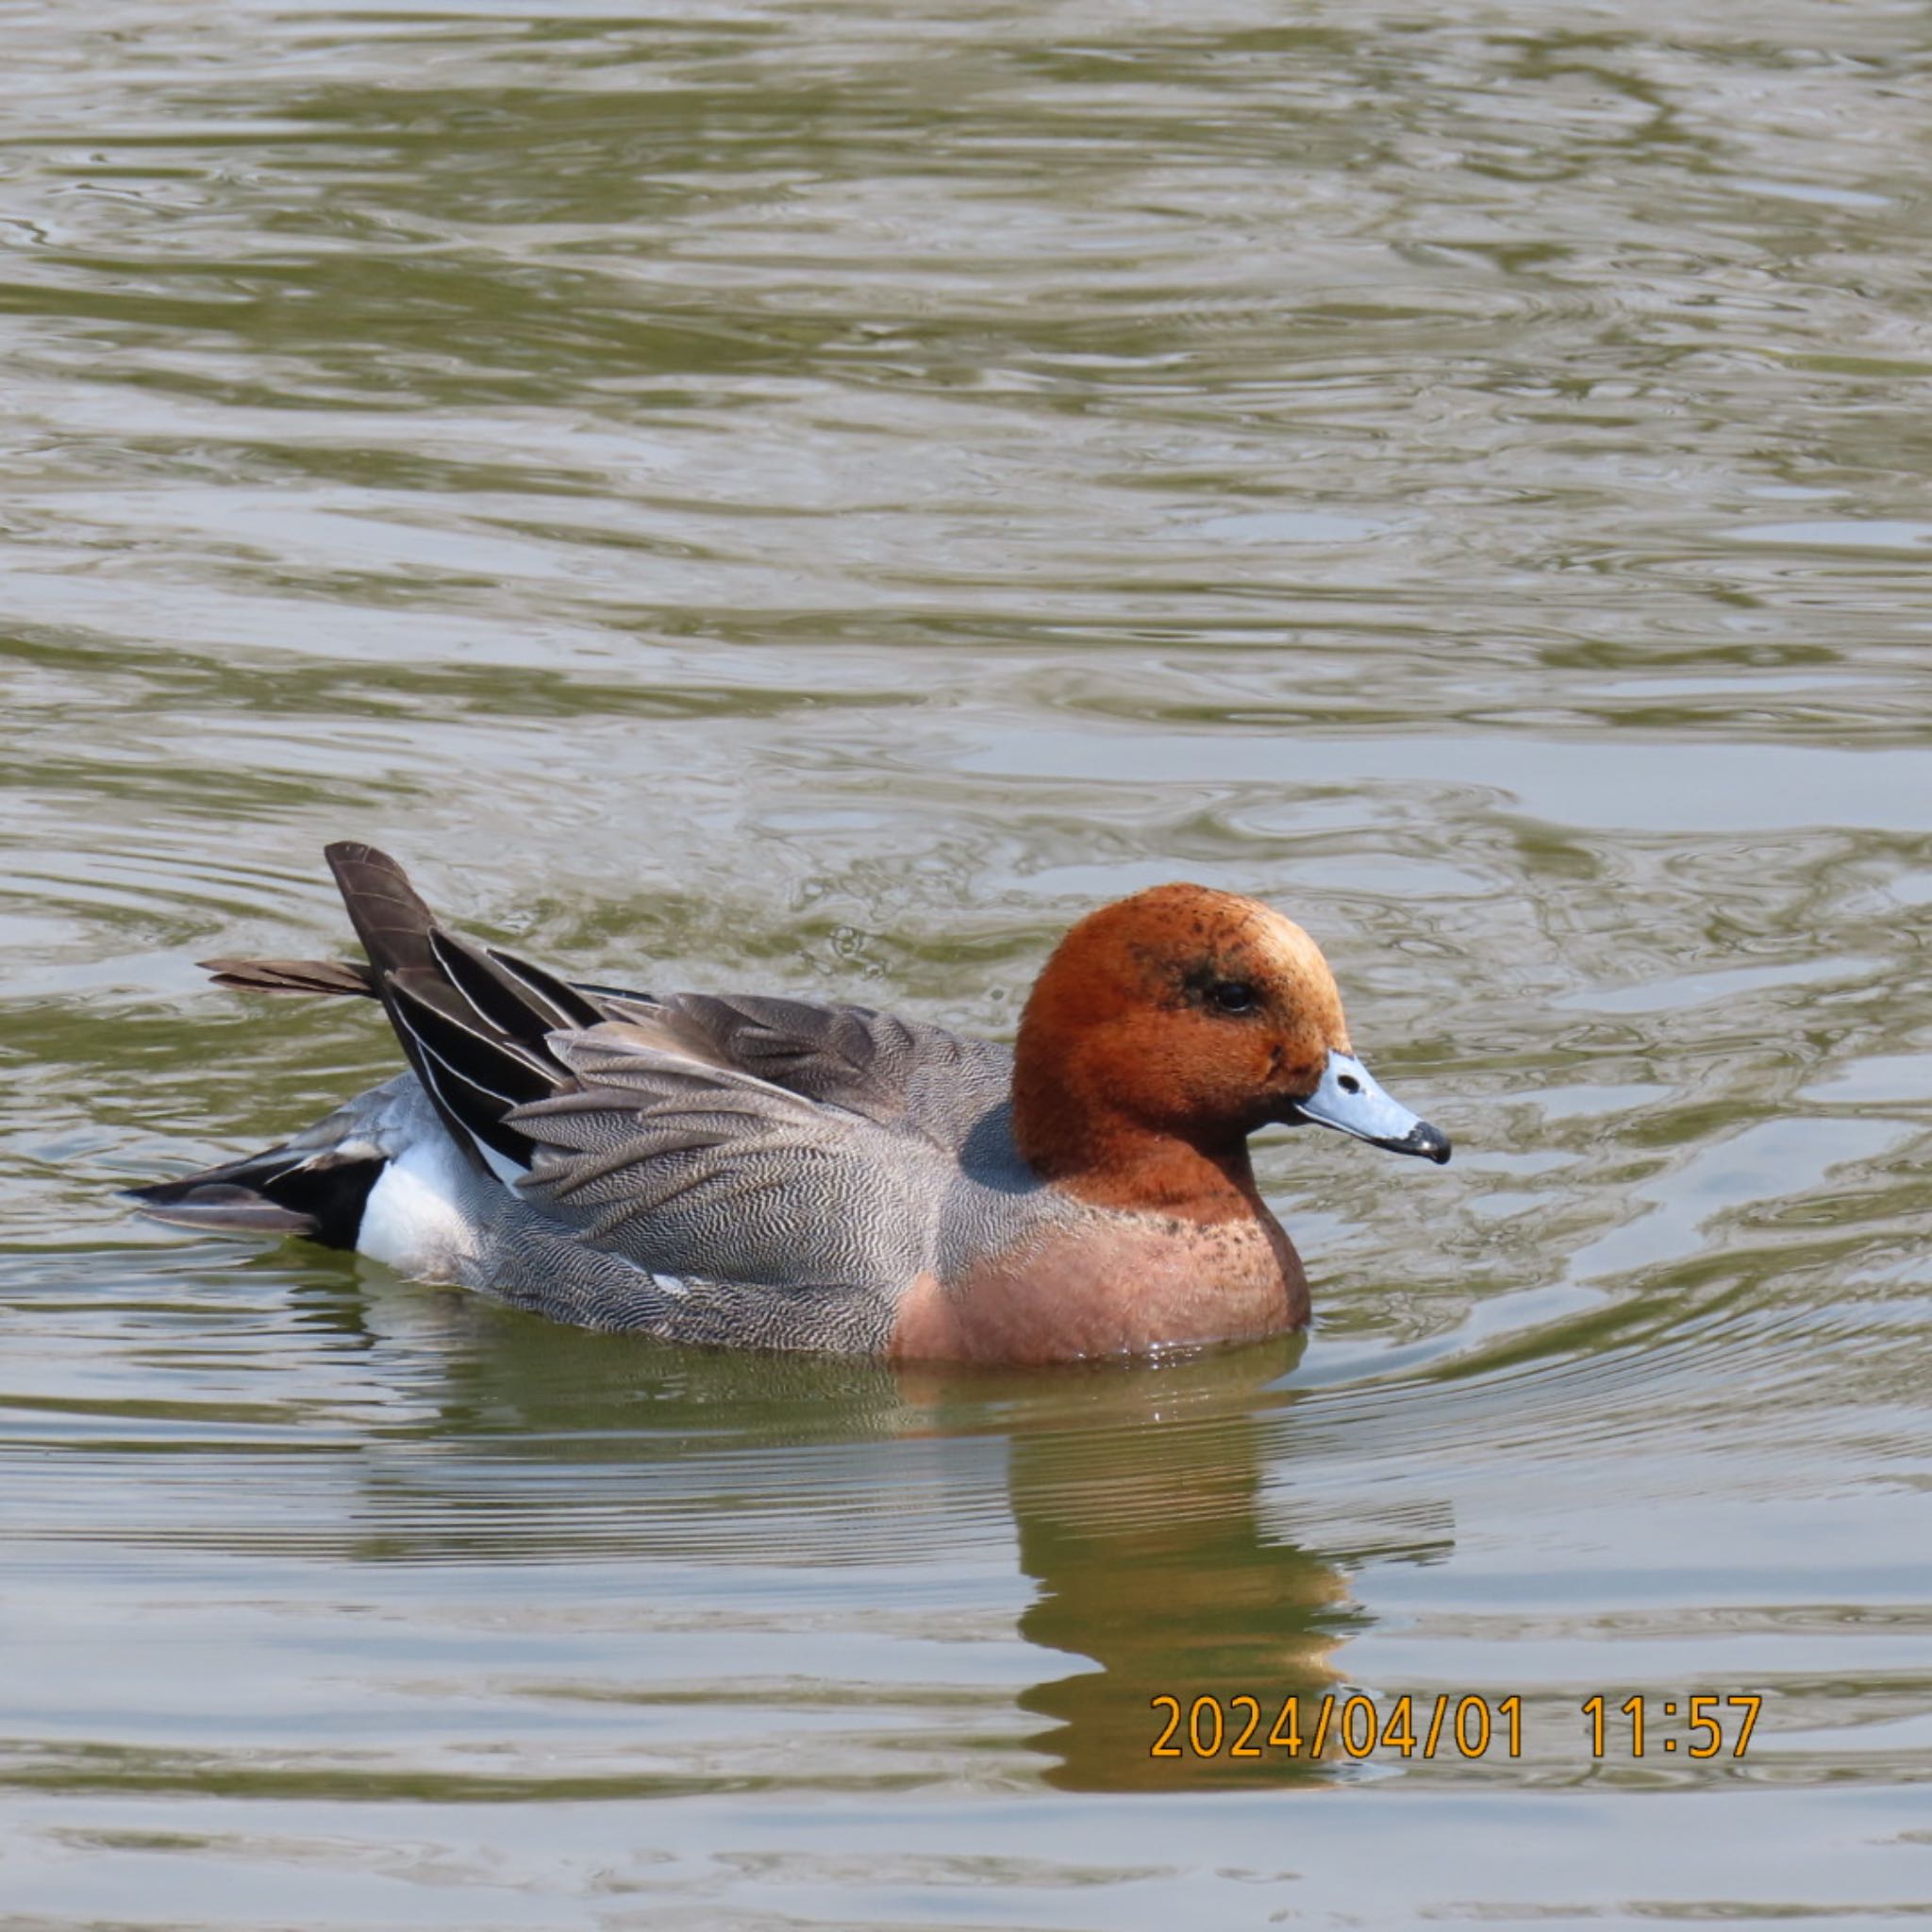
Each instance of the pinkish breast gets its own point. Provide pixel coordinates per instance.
(1110, 1284)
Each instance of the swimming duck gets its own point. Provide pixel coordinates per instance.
(769, 1172)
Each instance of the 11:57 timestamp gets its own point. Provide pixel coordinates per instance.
(1710, 1720)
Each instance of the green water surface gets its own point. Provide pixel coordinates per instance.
(815, 497)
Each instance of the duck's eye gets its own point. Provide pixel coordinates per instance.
(1233, 995)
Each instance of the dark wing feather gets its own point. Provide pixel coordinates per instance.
(510, 994)
(474, 1040)
(578, 1005)
(389, 918)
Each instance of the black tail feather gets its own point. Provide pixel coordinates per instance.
(281, 1190)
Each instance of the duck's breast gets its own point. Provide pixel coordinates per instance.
(1098, 1283)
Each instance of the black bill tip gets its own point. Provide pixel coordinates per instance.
(1432, 1143)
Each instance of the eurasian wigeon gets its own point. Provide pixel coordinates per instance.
(775, 1173)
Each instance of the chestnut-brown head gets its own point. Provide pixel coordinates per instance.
(1189, 1017)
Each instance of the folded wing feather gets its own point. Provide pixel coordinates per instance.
(686, 1168)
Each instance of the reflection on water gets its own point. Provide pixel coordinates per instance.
(1144, 1534)
(815, 499)
(1134, 1495)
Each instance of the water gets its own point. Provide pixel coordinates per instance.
(815, 498)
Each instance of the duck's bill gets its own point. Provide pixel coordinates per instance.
(1350, 1101)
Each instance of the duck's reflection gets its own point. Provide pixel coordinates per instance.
(1136, 1493)
(1142, 1526)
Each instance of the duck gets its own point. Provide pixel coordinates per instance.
(754, 1172)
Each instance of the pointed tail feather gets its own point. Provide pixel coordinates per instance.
(292, 976)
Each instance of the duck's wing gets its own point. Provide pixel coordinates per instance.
(702, 1171)
(471, 1022)
(643, 1132)
(898, 1072)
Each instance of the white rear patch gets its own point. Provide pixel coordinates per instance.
(413, 1219)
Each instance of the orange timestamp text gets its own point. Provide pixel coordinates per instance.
(1243, 1727)
(1472, 1726)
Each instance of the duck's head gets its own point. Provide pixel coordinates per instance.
(1191, 1016)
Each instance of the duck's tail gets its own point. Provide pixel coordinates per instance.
(292, 1188)
(472, 1021)
(292, 976)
